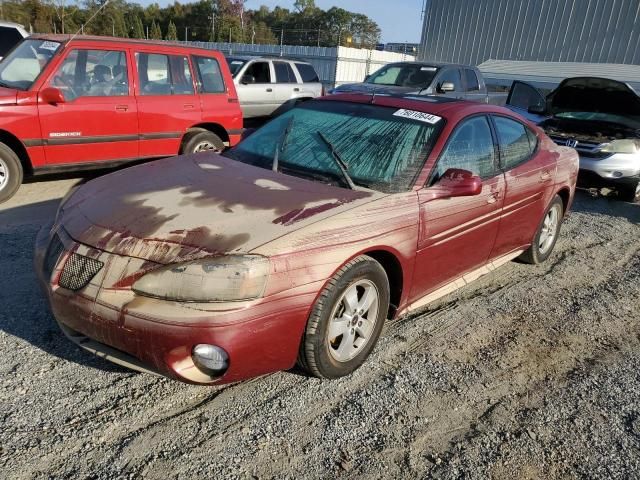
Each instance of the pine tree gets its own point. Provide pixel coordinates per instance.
(172, 32)
(156, 32)
(138, 28)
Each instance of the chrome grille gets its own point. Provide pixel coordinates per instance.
(54, 250)
(78, 271)
(587, 149)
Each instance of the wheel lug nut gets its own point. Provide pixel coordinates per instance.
(353, 330)
(359, 324)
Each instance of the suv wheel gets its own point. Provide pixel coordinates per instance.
(546, 235)
(204, 141)
(10, 173)
(629, 193)
(346, 320)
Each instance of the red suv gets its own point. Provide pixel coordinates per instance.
(78, 102)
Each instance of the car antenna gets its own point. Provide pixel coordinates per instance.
(81, 29)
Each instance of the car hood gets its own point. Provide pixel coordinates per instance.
(592, 94)
(372, 87)
(199, 205)
(8, 96)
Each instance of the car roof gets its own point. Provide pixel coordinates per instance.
(432, 64)
(266, 57)
(4, 23)
(450, 108)
(64, 39)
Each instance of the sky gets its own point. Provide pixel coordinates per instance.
(399, 19)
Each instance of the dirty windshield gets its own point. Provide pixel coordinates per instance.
(25, 63)
(381, 148)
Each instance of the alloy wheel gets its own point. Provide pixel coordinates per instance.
(549, 229)
(206, 146)
(4, 174)
(353, 320)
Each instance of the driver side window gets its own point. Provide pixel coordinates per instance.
(92, 73)
(471, 148)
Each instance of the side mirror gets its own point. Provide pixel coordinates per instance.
(246, 133)
(456, 183)
(446, 87)
(537, 109)
(51, 95)
(248, 79)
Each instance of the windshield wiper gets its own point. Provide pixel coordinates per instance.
(336, 157)
(280, 146)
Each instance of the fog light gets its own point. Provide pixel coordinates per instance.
(211, 359)
(617, 174)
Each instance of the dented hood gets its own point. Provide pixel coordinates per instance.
(594, 95)
(192, 206)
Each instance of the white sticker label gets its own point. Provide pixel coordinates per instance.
(237, 62)
(420, 116)
(53, 46)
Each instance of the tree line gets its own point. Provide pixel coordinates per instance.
(205, 20)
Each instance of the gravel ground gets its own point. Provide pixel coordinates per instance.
(532, 372)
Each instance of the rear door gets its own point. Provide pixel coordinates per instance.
(530, 175)
(256, 90)
(524, 97)
(167, 101)
(98, 120)
(286, 86)
(457, 234)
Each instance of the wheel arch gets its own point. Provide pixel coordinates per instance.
(205, 127)
(565, 194)
(18, 148)
(393, 268)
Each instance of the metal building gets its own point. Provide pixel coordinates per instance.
(473, 31)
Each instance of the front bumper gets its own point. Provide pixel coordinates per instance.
(614, 168)
(108, 319)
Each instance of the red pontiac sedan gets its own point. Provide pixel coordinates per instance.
(300, 242)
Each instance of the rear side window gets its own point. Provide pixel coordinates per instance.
(209, 76)
(284, 73)
(515, 142)
(92, 73)
(164, 74)
(307, 73)
(472, 80)
(470, 148)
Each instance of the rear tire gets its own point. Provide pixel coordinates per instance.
(346, 320)
(629, 193)
(546, 235)
(203, 141)
(11, 173)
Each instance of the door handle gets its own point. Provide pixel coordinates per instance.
(122, 108)
(188, 106)
(545, 176)
(269, 89)
(296, 89)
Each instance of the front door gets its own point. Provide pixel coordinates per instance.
(255, 91)
(98, 120)
(167, 102)
(457, 234)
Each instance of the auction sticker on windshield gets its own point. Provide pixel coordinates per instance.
(420, 116)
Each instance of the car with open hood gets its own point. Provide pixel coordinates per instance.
(600, 118)
(296, 245)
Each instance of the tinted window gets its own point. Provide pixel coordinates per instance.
(164, 74)
(284, 73)
(382, 150)
(524, 96)
(235, 64)
(515, 146)
(260, 71)
(92, 73)
(472, 80)
(404, 75)
(451, 75)
(307, 73)
(209, 76)
(469, 148)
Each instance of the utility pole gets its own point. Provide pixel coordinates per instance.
(230, 28)
(186, 34)
(253, 34)
(213, 25)
(113, 27)
(147, 32)
(318, 37)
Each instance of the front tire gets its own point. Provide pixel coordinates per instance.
(630, 192)
(10, 173)
(346, 320)
(203, 141)
(546, 235)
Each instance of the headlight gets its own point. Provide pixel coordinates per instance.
(218, 279)
(622, 146)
